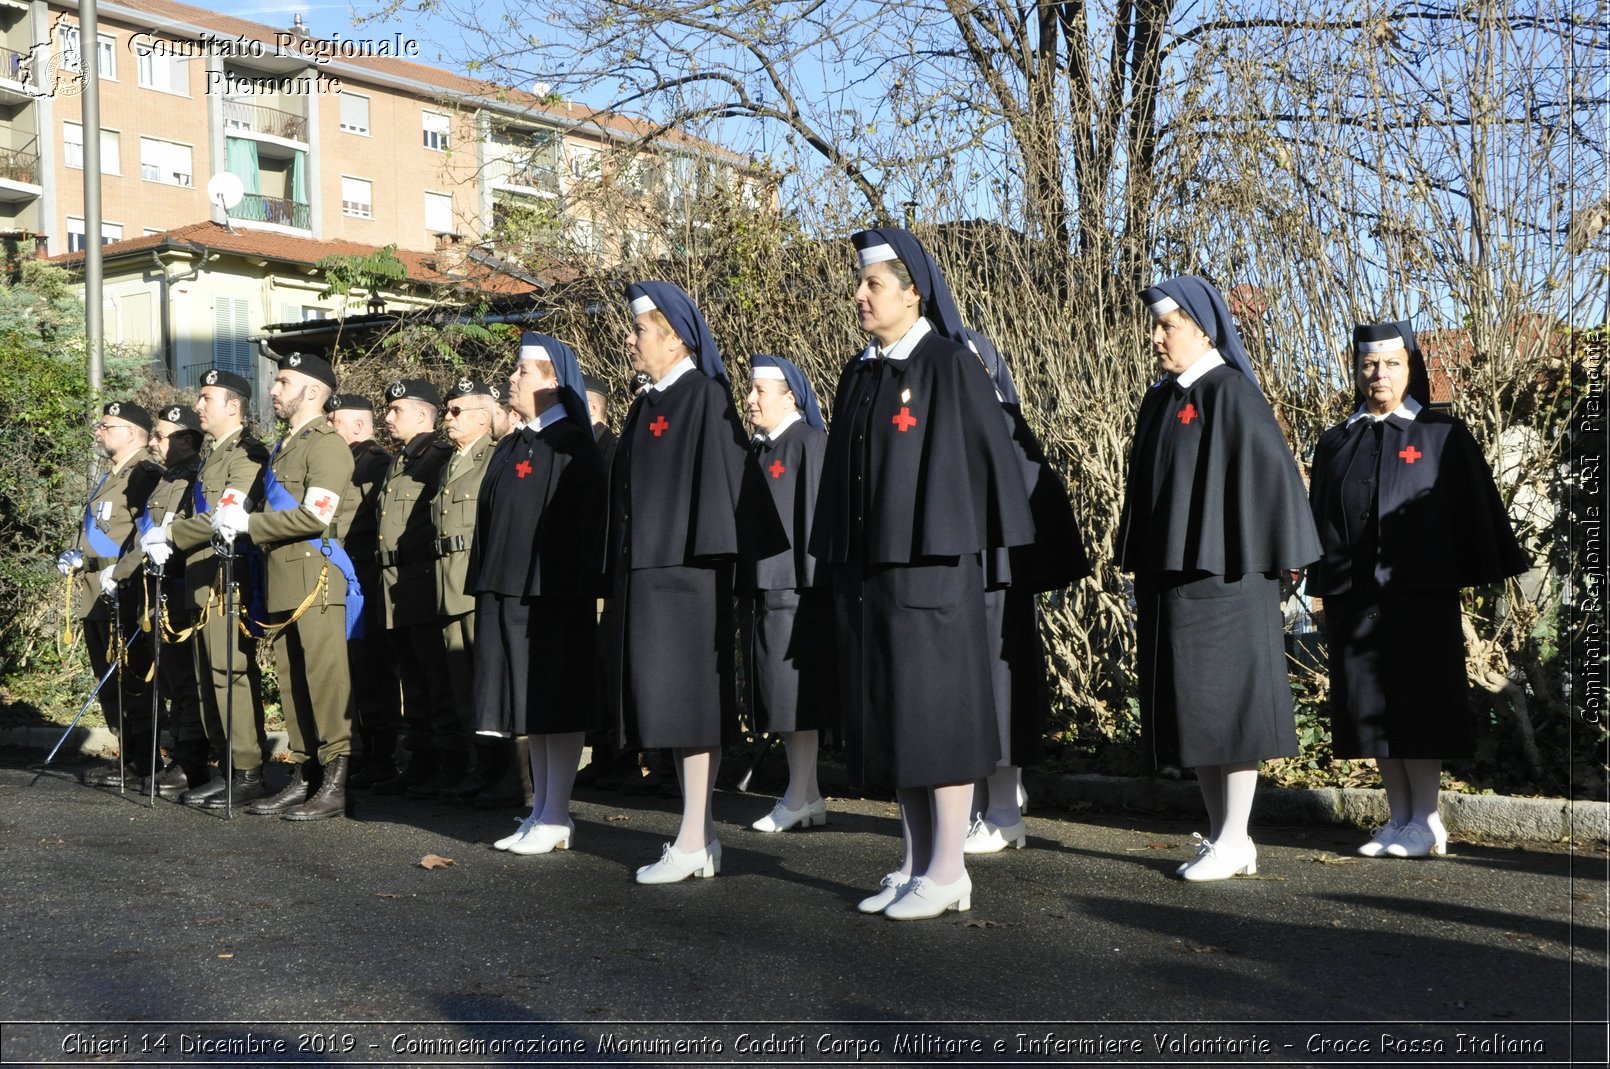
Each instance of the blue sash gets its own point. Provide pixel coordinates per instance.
(277, 497)
(97, 539)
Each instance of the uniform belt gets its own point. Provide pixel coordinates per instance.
(451, 544)
(402, 558)
(95, 564)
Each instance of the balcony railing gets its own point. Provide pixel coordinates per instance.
(11, 64)
(19, 165)
(256, 208)
(545, 179)
(257, 119)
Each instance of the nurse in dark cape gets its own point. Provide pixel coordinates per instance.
(919, 486)
(788, 608)
(1054, 561)
(1213, 515)
(1407, 514)
(535, 569)
(673, 547)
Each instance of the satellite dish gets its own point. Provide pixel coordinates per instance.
(225, 190)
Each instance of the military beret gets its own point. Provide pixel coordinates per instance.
(129, 412)
(355, 401)
(183, 415)
(310, 364)
(474, 387)
(229, 381)
(594, 384)
(414, 389)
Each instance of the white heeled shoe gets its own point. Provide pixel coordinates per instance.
(1220, 862)
(544, 839)
(890, 887)
(1419, 840)
(925, 899)
(509, 840)
(1202, 844)
(674, 866)
(1383, 838)
(1022, 800)
(781, 818)
(986, 838)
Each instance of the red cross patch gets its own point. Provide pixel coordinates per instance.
(659, 426)
(230, 498)
(1410, 455)
(776, 469)
(1188, 413)
(522, 469)
(904, 419)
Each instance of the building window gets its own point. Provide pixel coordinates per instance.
(312, 312)
(165, 73)
(111, 153)
(232, 349)
(354, 113)
(439, 213)
(165, 161)
(357, 197)
(437, 126)
(110, 232)
(585, 162)
(105, 51)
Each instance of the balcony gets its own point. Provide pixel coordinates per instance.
(19, 174)
(241, 118)
(272, 211)
(541, 180)
(14, 76)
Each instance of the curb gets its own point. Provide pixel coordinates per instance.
(1485, 817)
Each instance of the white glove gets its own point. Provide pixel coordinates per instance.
(156, 546)
(232, 518)
(108, 583)
(69, 561)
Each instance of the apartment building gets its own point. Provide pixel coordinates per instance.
(372, 147)
(348, 141)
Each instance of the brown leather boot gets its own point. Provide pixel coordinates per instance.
(294, 794)
(331, 800)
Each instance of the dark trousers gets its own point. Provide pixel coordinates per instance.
(429, 719)
(127, 689)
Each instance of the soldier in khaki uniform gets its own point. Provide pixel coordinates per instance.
(231, 473)
(376, 694)
(471, 408)
(94, 593)
(309, 588)
(176, 445)
(438, 748)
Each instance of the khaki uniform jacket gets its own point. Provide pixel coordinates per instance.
(407, 536)
(169, 501)
(453, 512)
(314, 456)
(235, 461)
(115, 504)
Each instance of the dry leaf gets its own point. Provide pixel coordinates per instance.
(979, 922)
(617, 818)
(435, 861)
(1148, 846)
(1331, 859)
(387, 894)
(53, 842)
(1206, 948)
(226, 955)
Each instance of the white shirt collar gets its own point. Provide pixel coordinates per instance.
(782, 425)
(678, 369)
(548, 417)
(1405, 411)
(1204, 363)
(901, 350)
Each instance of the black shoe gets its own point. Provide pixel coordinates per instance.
(172, 782)
(467, 788)
(294, 794)
(114, 776)
(248, 787)
(211, 788)
(421, 767)
(331, 799)
(448, 775)
(370, 771)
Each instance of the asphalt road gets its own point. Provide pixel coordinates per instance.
(263, 941)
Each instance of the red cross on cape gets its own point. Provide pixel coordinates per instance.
(1188, 413)
(659, 426)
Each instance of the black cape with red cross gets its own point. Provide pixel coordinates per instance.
(941, 476)
(539, 520)
(1212, 485)
(1440, 521)
(786, 472)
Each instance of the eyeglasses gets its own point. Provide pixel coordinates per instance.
(102, 425)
